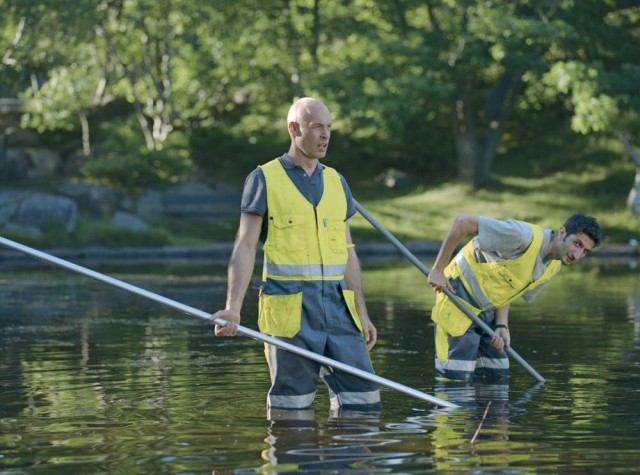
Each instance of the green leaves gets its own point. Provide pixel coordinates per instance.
(404, 79)
(581, 83)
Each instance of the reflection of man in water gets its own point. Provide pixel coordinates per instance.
(495, 446)
(633, 304)
(454, 430)
(297, 442)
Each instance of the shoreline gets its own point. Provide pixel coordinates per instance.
(222, 251)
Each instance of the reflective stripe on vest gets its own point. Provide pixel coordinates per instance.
(303, 242)
(295, 271)
(482, 280)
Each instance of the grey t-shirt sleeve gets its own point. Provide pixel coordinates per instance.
(506, 239)
(254, 194)
(351, 205)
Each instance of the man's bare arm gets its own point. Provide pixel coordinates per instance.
(463, 225)
(353, 278)
(240, 271)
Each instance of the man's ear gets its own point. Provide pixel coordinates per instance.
(562, 232)
(294, 128)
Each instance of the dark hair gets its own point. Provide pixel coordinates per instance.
(579, 223)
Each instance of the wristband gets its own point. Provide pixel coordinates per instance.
(501, 325)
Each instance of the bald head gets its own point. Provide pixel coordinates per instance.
(305, 107)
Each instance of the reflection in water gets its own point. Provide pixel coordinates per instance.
(344, 443)
(454, 431)
(361, 443)
(298, 442)
(478, 434)
(633, 306)
(94, 380)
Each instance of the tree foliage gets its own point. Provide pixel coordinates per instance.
(435, 87)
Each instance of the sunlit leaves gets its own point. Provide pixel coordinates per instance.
(582, 84)
(390, 71)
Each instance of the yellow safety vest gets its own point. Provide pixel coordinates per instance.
(491, 284)
(303, 243)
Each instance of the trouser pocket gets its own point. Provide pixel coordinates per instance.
(350, 299)
(449, 317)
(280, 315)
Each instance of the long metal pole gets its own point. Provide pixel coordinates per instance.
(243, 330)
(455, 299)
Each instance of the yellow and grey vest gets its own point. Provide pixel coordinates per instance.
(304, 242)
(491, 284)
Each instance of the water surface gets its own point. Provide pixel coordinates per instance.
(96, 380)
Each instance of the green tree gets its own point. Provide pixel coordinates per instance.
(597, 77)
(428, 86)
(477, 63)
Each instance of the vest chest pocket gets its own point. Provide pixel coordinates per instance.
(336, 232)
(500, 284)
(280, 315)
(288, 233)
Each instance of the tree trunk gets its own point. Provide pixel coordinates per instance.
(477, 147)
(7, 57)
(3, 154)
(466, 141)
(474, 160)
(86, 136)
(294, 44)
(156, 128)
(315, 42)
(633, 199)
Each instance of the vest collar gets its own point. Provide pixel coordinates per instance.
(288, 164)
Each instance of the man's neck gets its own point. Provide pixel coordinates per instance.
(549, 254)
(307, 164)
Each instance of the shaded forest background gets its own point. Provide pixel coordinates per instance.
(142, 93)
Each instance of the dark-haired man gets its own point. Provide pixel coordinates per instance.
(505, 260)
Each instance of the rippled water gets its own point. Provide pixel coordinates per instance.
(97, 380)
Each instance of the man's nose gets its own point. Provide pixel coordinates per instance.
(579, 254)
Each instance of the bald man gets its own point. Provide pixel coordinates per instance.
(311, 291)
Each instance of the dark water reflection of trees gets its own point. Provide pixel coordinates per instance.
(94, 379)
